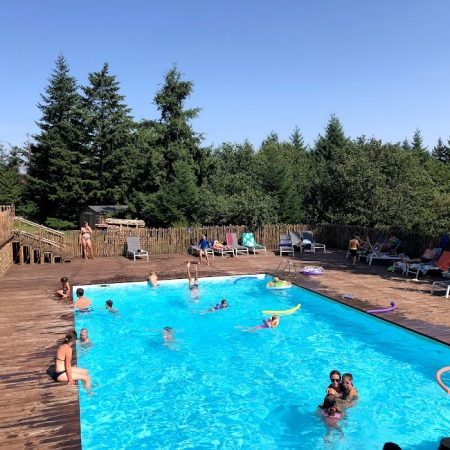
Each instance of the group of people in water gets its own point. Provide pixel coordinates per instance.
(340, 395)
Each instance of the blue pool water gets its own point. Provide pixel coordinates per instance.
(220, 387)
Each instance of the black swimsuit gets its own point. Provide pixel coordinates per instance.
(56, 375)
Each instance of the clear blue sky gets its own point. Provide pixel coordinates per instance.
(382, 66)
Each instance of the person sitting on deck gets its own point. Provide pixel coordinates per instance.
(65, 291)
(63, 364)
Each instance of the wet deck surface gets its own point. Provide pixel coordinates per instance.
(37, 413)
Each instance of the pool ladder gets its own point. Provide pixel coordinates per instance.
(287, 266)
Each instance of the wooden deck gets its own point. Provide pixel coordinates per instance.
(37, 413)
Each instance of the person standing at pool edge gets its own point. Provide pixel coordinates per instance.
(86, 241)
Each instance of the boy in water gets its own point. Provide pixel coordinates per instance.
(109, 307)
(153, 279)
(82, 303)
(168, 335)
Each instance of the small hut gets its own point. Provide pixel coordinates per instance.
(97, 214)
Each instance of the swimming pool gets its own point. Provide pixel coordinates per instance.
(219, 386)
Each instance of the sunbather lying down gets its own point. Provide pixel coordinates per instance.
(218, 244)
(428, 255)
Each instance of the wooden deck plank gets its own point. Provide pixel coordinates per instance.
(35, 412)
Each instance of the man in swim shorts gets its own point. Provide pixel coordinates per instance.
(82, 303)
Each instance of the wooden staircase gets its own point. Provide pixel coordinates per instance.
(35, 243)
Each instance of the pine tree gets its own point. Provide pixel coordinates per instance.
(441, 152)
(176, 136)
(112, 159)
(56, 174)
(418, 148)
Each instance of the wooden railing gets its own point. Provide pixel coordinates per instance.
(159, 241)
(43, 232)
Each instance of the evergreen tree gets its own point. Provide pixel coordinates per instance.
(418, 148)
(112, 159)
(56, 174)
(406, 145)
(176, 136)
(441, 152)
(11, 181)
(173, 151)
(276, 175)
(297, 141)
(325, 194)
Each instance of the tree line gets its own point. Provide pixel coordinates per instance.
(90, 151)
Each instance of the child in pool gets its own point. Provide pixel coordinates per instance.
(153, 279)
(168, 335)
(273, 322)
(109, 307)
(222, 305)
(330, 408)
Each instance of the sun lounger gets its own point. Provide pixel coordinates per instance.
(133, 248)
(441, 264)
(224, 250)
(309, 244)
(248, 240)
(232, 241)
(195, 250)
(286, 245)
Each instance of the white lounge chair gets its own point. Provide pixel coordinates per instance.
(134, 250)
(308, 239)
(286, 245)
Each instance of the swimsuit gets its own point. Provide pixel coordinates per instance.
(56, 374)
(86, 236)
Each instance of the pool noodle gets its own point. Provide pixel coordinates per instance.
(384, 310)
(285, 312)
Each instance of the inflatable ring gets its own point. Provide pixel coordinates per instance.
(285, 312)
(279, 285)
(313, 270)
(244, 278)
(438, 378)
(384, 310)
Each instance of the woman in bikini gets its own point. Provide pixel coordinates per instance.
(63, 364)
(85, 240)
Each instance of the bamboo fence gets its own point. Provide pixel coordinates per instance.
(112, 242)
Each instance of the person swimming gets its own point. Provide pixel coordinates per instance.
(168, 335)
(84, 340)
(222, 305)
(109, 307)
(273, 322)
